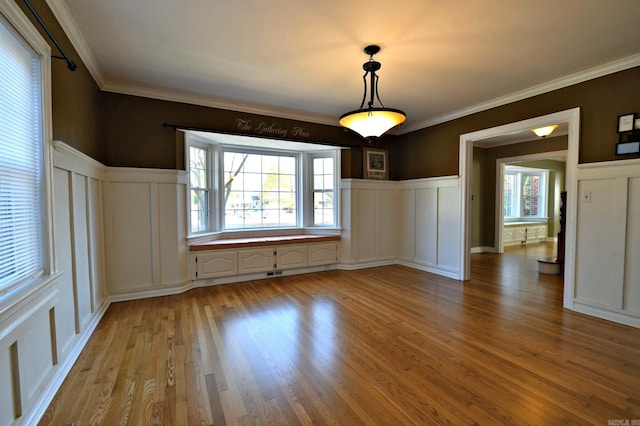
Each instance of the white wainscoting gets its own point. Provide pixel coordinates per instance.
(146, 228)
(607, 271)
(414, 223)
(42, 335)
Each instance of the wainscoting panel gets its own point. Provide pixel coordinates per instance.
(146, 247)
(448, 228)
(406, 221)
(387, 244)
(367, 224)
(66, 323)
(598, 278)
(426, 226)
(82, 277)
(129, 245)
(607, 274)
(631, 299)
(410, 222)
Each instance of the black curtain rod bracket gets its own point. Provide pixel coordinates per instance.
(70, 64)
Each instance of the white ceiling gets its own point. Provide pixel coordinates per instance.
(303, 59)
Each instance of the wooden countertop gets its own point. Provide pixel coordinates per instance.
(233, 243)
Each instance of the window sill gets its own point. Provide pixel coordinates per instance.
(20, 296)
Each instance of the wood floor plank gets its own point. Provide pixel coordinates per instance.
(388, 345)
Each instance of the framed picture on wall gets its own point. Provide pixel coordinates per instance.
(376, 164)
(626, 122)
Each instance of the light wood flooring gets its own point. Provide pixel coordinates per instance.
(381, 346)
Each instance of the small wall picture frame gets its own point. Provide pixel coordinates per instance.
(626, 122)
(376, 163)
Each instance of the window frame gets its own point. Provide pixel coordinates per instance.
(22, 28)
(519, 172)
(304, 181)
(309, 157)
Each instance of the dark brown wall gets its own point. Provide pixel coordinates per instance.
(135, 136)
(75, 95)
(434, 151)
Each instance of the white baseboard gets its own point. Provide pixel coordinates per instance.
(483, 249)
(619, 317)
(156, 292)
(354, 266)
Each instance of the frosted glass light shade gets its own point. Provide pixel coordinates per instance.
(544, 131)
(372, 122)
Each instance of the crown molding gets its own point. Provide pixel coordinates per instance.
(559, 83)
(220, 103)
(71, 29)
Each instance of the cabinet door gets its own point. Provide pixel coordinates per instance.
(520, 234)
(508, 235)
(541, 231)
(255, 260)
(211, 264)
(288, 257)
(323, 254)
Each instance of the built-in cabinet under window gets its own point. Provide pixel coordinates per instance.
(223, 263)
(524, 232)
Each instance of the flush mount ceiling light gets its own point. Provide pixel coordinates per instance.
(543, 132)
(372, 122)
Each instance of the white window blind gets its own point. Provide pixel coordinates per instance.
(21, 162)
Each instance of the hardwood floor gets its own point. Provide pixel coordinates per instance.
(388, 345)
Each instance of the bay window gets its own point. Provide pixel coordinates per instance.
(243, 183)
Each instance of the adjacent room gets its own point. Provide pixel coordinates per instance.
(208, 215)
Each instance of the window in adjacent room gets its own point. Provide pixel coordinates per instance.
(525, 193)
(23, 236)
(244, 183)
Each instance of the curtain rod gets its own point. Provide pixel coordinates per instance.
(70, 64)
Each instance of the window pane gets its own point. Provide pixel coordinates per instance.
(509, 195)
(21, 162)
(199, 210)
(323, 194)
(266, 196)
(199, 184)
(323, 209)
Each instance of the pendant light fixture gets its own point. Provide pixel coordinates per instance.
(372, 122)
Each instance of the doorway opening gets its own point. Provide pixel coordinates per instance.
(550, 167)
(572, 120)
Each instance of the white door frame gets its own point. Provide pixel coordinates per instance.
(570, 116)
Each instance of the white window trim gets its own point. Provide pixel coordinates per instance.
(304, 198)
(308, 193)
(544, 177)
(23, 27)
